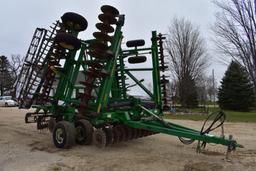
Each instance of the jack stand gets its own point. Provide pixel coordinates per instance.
(230, 148)
(200, 146)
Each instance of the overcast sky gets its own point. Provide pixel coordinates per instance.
(19, 18)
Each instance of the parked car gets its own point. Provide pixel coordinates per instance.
(7, 101)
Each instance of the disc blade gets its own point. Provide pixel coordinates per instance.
(105, 28)
(107, 9)
(107, 18)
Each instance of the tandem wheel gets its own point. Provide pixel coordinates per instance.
(63, 134)
(84, 131)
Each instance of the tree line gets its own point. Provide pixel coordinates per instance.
(9, 72)
(235, 38)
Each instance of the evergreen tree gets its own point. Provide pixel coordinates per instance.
(6, 76)
(236, 91)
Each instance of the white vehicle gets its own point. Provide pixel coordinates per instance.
(7, 101)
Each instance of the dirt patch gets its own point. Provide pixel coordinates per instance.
(39, 146)
(212, 153)
(60, 166)
(203, 166)
(3, 124)
(22, 133)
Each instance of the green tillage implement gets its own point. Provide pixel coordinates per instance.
(99, 108)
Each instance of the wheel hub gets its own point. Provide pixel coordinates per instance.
(59, 136)
(80, 134)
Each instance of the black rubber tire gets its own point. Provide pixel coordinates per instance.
(99, 138)
(74, 21)
(68, 134)
(137, 59)
(135, 43)
(84, 137)
(51, 124)
(68, 41)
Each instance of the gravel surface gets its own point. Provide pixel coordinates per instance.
(22, 147)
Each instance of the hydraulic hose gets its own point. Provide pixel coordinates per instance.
(219, 116)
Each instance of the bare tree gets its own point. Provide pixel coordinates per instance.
(15, 65)
(188, 57)
(235, 31)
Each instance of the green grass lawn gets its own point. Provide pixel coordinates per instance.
(231, 116)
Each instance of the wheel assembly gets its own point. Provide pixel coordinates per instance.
(63, 134)
(84, 131)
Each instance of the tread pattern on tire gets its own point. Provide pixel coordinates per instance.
(89, 131)
(69, 130)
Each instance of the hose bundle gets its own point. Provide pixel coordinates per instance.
(218, 116)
